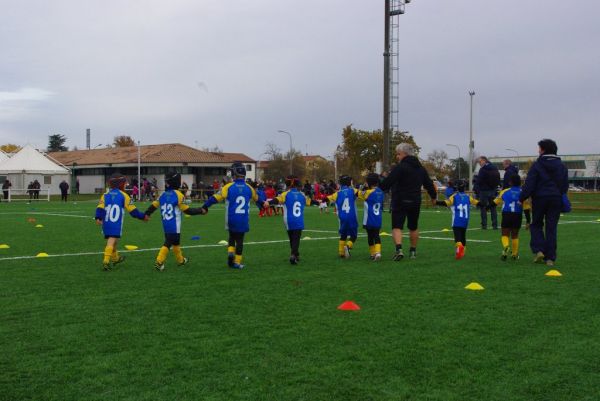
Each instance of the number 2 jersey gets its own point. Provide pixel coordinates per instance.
(111, 210)
(293, 202)
(373, 207)
(460, 204)
(171, 205)
(510, 198)
(237, 196)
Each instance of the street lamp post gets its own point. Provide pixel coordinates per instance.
(515, 152)
(458, 163)
(291, 159)
(139, 168)
(471, 143)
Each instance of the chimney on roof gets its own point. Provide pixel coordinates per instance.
(88, 135)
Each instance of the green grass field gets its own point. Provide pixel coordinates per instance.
(69, 331)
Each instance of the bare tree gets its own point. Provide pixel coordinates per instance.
(122, 141)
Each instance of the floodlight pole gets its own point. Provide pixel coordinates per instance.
(471, 143)
(458, 163)
(139, 167)
(291, 159)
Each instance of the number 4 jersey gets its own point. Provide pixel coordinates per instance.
(111, 210)
(171, 205)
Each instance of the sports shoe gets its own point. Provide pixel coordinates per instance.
(159, 266)
(238, 266)
(539, 257)
(293, 260)
(121, 259)
(346, 251)
(504, 253)
(106, 267)
(413, 255)
(398, 256)
(515, 257)
(230, 258)
(460, 252)
(377, 257)
(183, 262)
(550, 263)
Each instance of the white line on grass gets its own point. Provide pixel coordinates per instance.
(202, 246)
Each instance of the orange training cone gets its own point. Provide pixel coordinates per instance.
(348, 305)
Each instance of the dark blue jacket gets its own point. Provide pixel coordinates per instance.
(488, 178)
(547, 177)
(509, 172)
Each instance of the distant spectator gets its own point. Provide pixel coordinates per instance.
(77, 187)
(5, 186)
(36, 189)
(547, 181)
(64, 190)
(488, 181)
(509, 171)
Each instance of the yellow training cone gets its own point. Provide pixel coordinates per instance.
(384, 234)
(445, 229)
(41, 255)
(598, 220)
(474, 286)
(186, 215)
(223, 242)
(131, 247)
(553, 273)
(4, 246)
(307, 237)
(39, 226)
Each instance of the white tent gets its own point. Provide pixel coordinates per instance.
(3, 156)
(28, 165)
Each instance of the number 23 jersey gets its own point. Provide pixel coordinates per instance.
(171, 205)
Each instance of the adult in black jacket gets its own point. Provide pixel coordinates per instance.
(488, 180)
(509, 171)
(64, 190)
(405, 181)
(547, 181)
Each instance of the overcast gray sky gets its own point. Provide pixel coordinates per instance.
(231, 73)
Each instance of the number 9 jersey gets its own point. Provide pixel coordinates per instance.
(237, 196)
(111, 210)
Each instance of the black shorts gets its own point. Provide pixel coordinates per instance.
(172, 239)
(406, 212)
(511, 220)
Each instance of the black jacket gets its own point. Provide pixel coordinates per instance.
(547, 177)
(406, 180)
(509, 172)
(488, 178)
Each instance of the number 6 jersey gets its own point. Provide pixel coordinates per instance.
(293, 202)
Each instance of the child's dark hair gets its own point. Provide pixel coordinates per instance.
(460, 185)
(514, 180)
(548, 146)
(372, 180)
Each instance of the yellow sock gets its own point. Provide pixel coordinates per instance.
(458, 244)
(377, 248)
(371, 249)
(231, 249)
(504, 241)
(107, 254)
(178, 254)
(162, 254)
(115, 255)
(237, 259)
(515, 246)
(341, 246)
(349, 244)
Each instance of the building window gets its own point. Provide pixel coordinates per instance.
(248, 167)
(47, 179)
